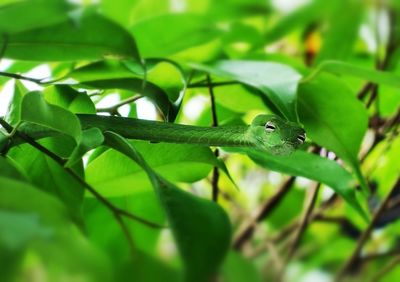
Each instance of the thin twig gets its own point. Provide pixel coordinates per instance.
(18, 76)
(266, 208)
(215, 84)
(309, 206)
(215, 176)
(114, 109)
(365, 235)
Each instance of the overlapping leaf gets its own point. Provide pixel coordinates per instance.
(202, 249)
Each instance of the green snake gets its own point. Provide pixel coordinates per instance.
(266, 132)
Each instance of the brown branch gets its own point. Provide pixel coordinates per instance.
(266, 208)
(18, 76)
(355, 257)
(307, 215)
(215, 176)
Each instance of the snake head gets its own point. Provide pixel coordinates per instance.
(276, 135)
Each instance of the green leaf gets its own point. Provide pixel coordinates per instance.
(157, 95)
(236, 268)
(342, 33)
(276, 81)
(15, 18)
(333, 117)
(91, 139)
(13, 115)
(70, 99)
(35, 228)
(49, 176)
(167, 159)
(202, 249)
(34, 109)
(314, 167)
(93, 37)
(165, 35)
(9, 170)
(337, 67)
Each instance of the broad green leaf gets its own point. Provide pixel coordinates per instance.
(35, 230)
(70, 99)
(276, 81)
(13, 116)
(145, 268)
(162, 78)
(9, 170)
(120, 11)
(34, 109)
(145, 205)
(337, 67)
(236, 268)
(333, 118)
(15, 17)
(4, 141)
(103, 70)
(314, 167)
(91, 139)
(202, 249)
(342, 31)
(157, 95)
(114, 174)
(49, 176)
(167, 34)
(93, 37)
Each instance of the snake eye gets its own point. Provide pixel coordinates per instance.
(301, 138)
(270, 126)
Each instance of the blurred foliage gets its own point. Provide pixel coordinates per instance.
(80, 205)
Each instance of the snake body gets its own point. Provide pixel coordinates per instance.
(266, 132)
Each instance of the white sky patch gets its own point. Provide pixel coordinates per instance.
(274, 177)
(146, 109)
(177, 5)
(39, 72)
(124, 110)
(288, 6)
(303, 182)
(367, 35)
(194, 107)
(5, 96)
(5, 64)
(109, 100)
